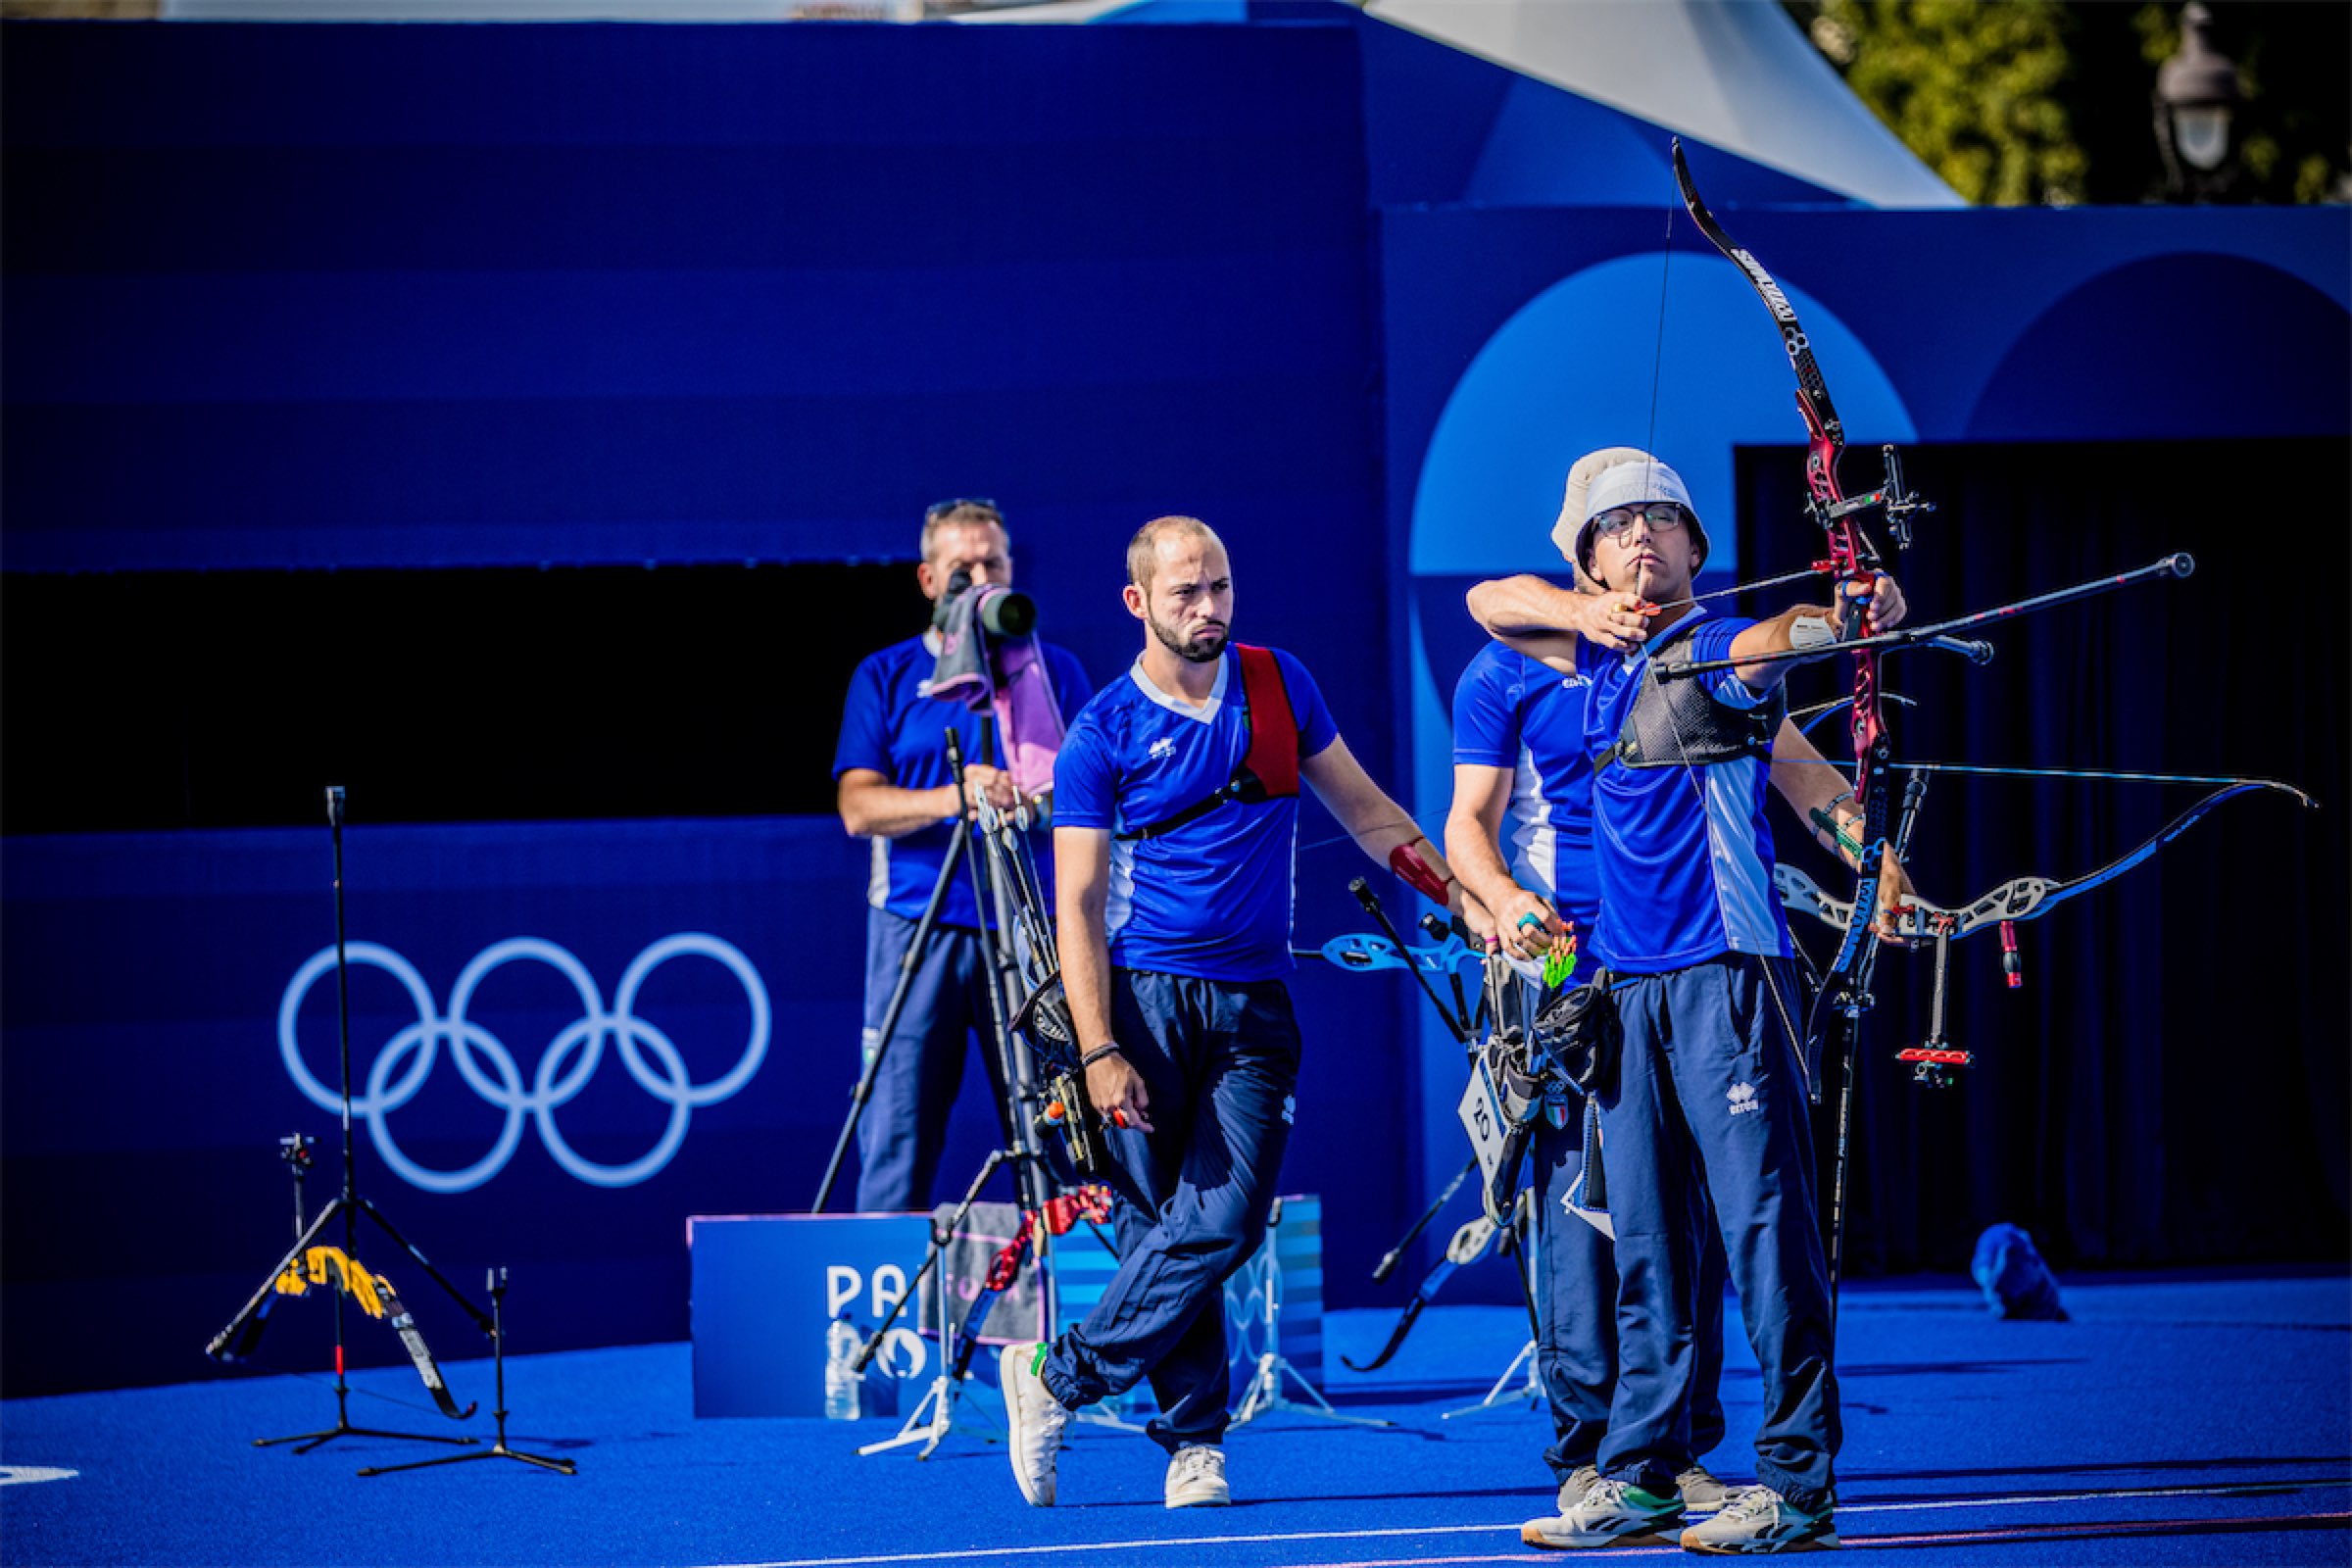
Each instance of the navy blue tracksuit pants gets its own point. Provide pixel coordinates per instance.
(1220, 1068)
(1710, 1103)
(1576, 1314)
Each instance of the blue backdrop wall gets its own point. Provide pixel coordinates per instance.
(446, 299)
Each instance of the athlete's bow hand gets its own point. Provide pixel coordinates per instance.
(1881, 598)
(1117, 1092)
(1478, 919)
(1895, 894)
(1613, 619)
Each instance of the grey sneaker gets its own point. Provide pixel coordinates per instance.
(1035, 1420)
(1580, 1481)
(1197, 1478)
(1610, 1513)
(1760, 1519)
(1703, 1492)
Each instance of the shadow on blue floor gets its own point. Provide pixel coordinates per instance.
(2173, 1421)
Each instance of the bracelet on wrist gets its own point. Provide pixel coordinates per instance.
(1099, 1052)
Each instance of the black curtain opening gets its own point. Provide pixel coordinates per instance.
(2170, 1084)
(162, 701)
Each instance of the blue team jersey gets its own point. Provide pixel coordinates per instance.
(890, 727)
(1685, 855)
(1211, 899)
(1516, 712)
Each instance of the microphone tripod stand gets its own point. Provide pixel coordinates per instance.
(497, 1285)
(1265, 1392)
(244, 1331)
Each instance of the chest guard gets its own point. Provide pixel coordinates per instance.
(1674, 722)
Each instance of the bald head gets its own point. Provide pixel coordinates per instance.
(1143, 550)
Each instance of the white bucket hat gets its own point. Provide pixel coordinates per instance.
(1581, 476)
(1630, 481)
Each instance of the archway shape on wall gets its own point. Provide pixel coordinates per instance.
(1586, 363)
(2186, 346)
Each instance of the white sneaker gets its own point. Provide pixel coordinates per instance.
(1580, 1481)
(1035, 1419)
(1610, 1513)
(1703, 1492)
(1197, 1478)
(1760, 1519)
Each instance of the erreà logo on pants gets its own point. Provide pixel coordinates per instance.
(1743, 1098)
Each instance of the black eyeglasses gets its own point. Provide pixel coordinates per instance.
(1663, 516)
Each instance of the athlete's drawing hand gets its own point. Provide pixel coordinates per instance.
(1613, 619)
(1527, 924)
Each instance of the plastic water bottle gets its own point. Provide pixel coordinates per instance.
(842, 1377)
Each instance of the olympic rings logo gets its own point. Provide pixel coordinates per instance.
(490, 1070)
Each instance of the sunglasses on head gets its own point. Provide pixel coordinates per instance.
(940, 509)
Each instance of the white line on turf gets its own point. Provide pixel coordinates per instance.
(17, 1475)
(1845, 1511)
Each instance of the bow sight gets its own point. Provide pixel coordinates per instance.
(1899, 504)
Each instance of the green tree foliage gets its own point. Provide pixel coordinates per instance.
(1972, 88)
(2018, 102)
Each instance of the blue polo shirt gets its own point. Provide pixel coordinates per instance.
(1517, 712)
(1684, 854)
(890, 727)
(1211, 899)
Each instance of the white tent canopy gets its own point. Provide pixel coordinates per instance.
(1735, 74)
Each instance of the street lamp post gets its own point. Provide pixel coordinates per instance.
(2198, 94)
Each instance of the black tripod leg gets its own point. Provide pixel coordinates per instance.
(908, 962)
(236, 1342)
(941, 1237)
(482, 1320)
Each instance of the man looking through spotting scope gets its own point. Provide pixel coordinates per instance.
(891, 769)
(1523, 783)
(1708, 1103)
(1176, 827)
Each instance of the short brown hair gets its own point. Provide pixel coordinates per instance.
(960, 513)
(1143, 551)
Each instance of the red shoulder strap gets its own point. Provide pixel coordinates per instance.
(1273, 755)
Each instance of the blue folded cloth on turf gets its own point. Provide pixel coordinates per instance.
(2016, 1281)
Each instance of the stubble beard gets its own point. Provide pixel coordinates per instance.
(1206, 649)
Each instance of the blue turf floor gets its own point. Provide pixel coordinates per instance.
(2199, 1421)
